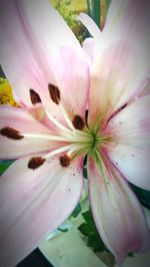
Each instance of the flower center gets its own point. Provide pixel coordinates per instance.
(72, 138)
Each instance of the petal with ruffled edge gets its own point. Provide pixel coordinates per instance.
(117, 213)
(121, 61)
(18, 119)
(44, 55)
(130, 147)
(34, 203)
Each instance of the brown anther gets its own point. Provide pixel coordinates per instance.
(64, 161)
(78, 122)
(35, 98)
(11, 133)
(54, 93)
(35, 162)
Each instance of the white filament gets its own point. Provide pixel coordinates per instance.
(60, 150)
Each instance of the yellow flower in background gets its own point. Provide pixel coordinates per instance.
(6, 97)
(74, 5)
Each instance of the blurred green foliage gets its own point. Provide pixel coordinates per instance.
(93, 239)
(70, 17)
(89, 230)
(143, 195)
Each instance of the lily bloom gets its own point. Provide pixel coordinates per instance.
(54, 81)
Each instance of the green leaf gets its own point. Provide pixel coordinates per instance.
(84, 229)
(89, 230)
(85, 168)
(4, 165)
(63, 230)
(87, 216)
(95, 242)
(76, 211)
(107, 4)
(143, 195)
(96, 11)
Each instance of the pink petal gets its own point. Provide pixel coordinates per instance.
(34, 203)
(130, 150)
(94, 44)
(117, 213)
(109, 70)
(72, 80)
(121, 15)
(129, 21)
(116, 69)
(42, 53)
(22, 121)
(121, 61)
(88, 48)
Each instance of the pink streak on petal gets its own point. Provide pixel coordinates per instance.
(118, 214)
(34, 203)
(22, 121)
(130, 148)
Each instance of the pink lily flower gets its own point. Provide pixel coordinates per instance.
(54, 81)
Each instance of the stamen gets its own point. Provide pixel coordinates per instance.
(11, 133)
(54, 93)
(46, 137)
(35, 98)
(78, 122)
(75, 149)
(64, 161)
(35, 162)
(65, 137)
(67, 119)
(101, 168)
(55, 96)
(56, 122)
(59, 150)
